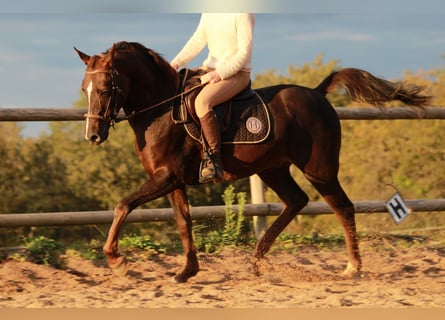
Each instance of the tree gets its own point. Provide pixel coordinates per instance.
(12, 166)
(405, 153)
(48, 185)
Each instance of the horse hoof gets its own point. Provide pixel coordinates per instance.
(256, 267)
(179, 279)
(184, 276)
(351, 271)
(121, 268)
(258, 255)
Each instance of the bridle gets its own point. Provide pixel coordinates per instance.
(110, 117)
(114, 91)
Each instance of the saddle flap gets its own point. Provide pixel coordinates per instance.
(184, 111)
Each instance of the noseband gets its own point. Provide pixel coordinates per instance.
(109, 117)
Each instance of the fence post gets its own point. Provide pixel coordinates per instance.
(257, 195)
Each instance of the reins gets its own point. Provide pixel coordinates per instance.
(136, 112)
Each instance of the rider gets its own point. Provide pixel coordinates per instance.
(229, 39)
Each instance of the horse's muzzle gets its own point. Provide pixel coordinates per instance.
(96, 129)
(95, 139)
(96, 136)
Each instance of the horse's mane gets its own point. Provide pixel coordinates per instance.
(153, 57)
(123, 46)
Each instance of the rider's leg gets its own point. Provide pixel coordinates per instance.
(210, 96)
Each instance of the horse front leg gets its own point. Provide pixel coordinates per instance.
(180, 205)
(116, 262)
(160, 184)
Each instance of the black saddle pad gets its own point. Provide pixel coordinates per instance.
(249, 120)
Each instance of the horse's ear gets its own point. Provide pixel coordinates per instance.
(84, 57)
(110, 54)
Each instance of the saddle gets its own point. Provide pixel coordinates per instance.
(243, 119)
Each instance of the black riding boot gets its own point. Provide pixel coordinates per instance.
(211, 166)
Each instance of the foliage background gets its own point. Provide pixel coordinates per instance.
(59, 171)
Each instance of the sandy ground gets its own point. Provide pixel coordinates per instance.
(392, 277)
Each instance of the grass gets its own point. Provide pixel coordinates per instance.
(49, 252)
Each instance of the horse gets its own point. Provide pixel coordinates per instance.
(306, 132)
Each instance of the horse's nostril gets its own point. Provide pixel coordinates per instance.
(95, 138)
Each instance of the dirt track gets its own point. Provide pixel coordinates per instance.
(392, 277)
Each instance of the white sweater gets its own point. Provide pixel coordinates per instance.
(229, 38)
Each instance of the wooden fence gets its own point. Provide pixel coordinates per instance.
(204, 212)
(352, 113)
(257, 210)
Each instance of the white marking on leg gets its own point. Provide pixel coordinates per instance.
(89, 90)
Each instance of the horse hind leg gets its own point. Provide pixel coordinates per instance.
(294, 199)
(343, 208)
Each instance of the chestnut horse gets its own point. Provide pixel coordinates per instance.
(305, 132)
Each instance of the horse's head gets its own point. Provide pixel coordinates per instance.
(106, 84)
(106, 93)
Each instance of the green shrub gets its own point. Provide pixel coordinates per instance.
(235, 230)
(42, 250)
(145, 243)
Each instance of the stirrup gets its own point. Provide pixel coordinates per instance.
(217, 175)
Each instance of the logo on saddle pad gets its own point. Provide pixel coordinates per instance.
(254, 125)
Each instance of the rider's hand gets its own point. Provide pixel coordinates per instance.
(210, 77)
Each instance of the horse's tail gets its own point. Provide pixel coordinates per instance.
(363, 86)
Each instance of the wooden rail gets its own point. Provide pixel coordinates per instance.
(205, 212)
(42, 114)
(346, 113)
